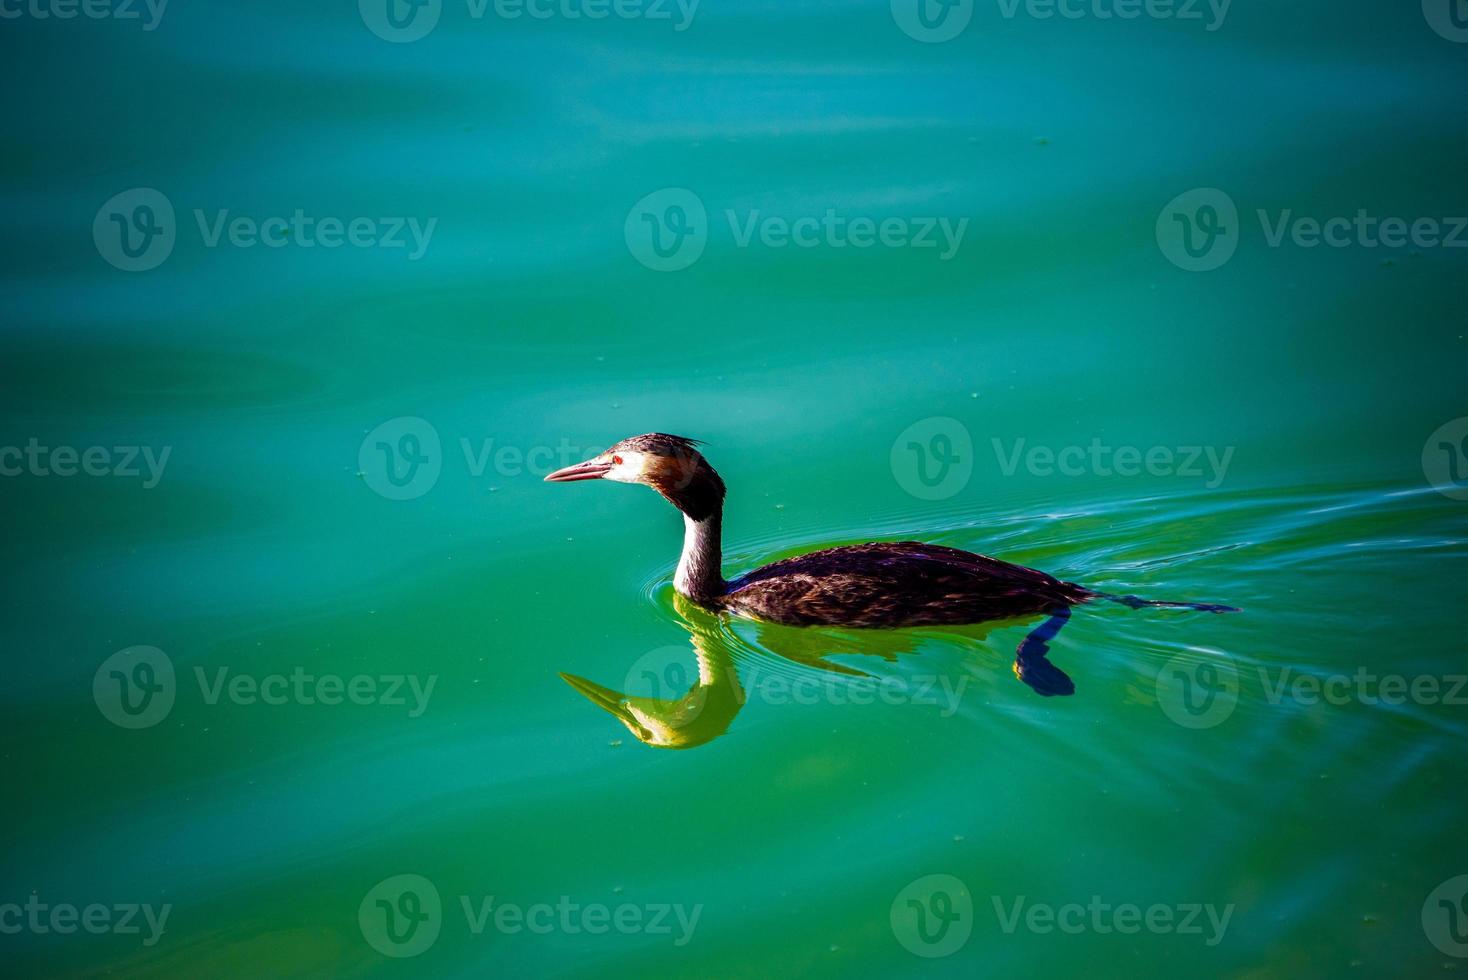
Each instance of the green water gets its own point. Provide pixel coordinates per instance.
(826, 774)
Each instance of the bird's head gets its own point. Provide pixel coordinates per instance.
(671, 465)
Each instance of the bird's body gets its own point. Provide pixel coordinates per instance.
(878, 585)
(883, 585)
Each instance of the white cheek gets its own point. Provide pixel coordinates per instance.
(631, 470)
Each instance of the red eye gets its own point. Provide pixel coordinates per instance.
(616, 460)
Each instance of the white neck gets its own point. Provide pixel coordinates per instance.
(698, 575)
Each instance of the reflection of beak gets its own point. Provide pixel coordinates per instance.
(613, 703)
(603, 697)
(589, 470)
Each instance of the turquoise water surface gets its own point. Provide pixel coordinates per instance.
(1168, 305)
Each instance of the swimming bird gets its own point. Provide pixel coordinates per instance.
(877, 585)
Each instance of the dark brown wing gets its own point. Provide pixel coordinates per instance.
(902, 583)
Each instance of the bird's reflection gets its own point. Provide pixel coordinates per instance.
(663, 719)
(689, 704)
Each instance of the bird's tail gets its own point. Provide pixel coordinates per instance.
(1136, 602)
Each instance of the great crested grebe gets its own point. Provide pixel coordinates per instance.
(879, 585)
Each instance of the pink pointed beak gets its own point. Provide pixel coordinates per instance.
(589, 470)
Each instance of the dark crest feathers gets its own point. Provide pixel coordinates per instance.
(659, 443)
